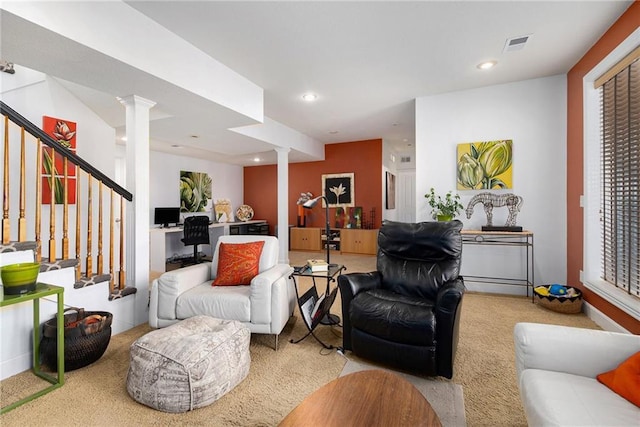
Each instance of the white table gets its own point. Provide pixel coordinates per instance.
(164, 243)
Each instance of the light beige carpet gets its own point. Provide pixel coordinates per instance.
(278, 381)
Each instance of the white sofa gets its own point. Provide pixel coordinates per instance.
(557, 368)
(264, 306)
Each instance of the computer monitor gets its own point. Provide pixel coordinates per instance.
(166, 216)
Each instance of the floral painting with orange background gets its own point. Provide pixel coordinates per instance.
(63, 131)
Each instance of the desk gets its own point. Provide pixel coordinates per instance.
(366, 398)
(523, 239)
(165, 242)
(42, 290)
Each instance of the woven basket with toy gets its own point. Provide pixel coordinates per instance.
(559, 298)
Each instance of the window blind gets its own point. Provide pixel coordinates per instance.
(620, 180)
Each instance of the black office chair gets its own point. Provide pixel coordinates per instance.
(196, 232)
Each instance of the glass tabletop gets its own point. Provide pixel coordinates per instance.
(305, 271)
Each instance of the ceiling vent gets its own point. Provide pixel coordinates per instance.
(516, 43)
(405, 159)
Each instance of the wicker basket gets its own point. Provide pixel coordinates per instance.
(86, 338)
(569, 305)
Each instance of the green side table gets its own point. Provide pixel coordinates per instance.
(42, 290)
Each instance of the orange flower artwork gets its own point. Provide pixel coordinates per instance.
(64, 132)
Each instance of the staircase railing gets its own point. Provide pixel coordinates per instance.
(23, 221)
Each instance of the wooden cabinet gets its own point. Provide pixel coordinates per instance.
(358, 241)
(305, 239)
(347, 240)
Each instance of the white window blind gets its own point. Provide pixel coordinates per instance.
(620, 179)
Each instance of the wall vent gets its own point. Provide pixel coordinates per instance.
(516, 43)
(405, 159)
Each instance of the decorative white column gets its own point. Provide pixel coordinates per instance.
(283, 203)
(137, 216)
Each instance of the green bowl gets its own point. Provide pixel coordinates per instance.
(19, 278)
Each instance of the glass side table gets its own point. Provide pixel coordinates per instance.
(42, 290)
(308, 300)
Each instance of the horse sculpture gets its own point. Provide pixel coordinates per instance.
(490, 200)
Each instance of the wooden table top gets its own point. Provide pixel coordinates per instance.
(364, 398)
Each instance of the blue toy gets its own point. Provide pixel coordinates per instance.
(557, 289)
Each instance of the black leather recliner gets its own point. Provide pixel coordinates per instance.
(406, 314)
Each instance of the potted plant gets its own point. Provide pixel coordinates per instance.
(443, 209)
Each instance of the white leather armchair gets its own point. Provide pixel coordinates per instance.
(557, 368)
(264, 306)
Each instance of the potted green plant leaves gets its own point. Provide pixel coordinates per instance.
(443, 209)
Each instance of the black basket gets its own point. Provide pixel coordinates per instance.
(84, 342)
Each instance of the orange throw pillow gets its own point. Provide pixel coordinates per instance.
(238, 263)
(625, 379)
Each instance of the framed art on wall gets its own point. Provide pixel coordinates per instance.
(338, 189)
(485, 165)
(53, 170)
(391, 191)
(195, 192)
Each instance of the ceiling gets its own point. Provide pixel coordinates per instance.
(367, 61)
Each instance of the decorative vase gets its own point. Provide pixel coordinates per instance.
(301, 216)
(445, 217)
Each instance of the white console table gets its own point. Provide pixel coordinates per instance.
(165, 242)
(522, 239)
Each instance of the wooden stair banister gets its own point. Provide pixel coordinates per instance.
(59, 184)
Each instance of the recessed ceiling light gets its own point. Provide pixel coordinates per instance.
(309, 97)
(124, 138)
(176, 146)
(333, 132)
(194, 136)
(256, 159)
(486, 65)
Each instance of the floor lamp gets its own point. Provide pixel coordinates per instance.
(329, 319)
(309, 204)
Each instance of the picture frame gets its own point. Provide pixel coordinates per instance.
(485, 165)
(391, 191)
(52, 173)
(195, 192)
(338, 189)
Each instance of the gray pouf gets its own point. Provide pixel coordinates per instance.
(188, 365)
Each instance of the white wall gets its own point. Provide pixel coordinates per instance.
(532, 113)
(227, 180)
(227, 183)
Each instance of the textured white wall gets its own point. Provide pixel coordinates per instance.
(227, 180)
(533, 114)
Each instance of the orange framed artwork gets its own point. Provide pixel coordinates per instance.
(63, 131)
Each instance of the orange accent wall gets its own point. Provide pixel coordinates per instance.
(363, 158)
(619, 31)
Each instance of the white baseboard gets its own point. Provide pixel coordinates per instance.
(601, 319)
